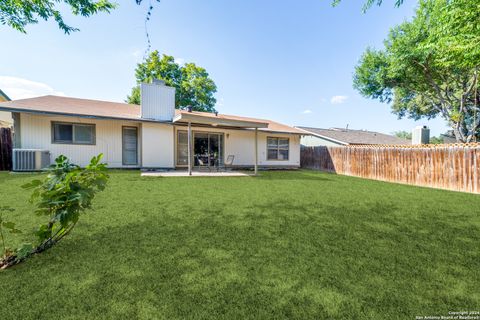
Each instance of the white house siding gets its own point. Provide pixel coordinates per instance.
(6, 116)
(241, 144)
(158, 145)
(313, 141)
(36, 133)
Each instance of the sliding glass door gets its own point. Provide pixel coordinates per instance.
(208, 149)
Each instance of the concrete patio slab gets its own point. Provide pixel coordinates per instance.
(195, 174)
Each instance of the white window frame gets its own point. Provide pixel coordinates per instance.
(278, 148)
(74, 124)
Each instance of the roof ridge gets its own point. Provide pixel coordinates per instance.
(76, 98)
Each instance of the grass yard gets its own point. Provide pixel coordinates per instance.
(304, 245)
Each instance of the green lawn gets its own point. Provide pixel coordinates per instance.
(283, 245)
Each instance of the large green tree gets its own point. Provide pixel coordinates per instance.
(429, 66)
(20, 13)
(193, 85)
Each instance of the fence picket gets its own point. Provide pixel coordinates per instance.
(453, 167)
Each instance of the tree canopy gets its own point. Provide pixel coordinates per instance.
(429, 66)
(193, 85)
(369, 3)
(19, 14)
(403, 134)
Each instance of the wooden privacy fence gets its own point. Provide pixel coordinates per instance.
(5, 149)
(453, 167)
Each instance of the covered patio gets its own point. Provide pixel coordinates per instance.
(183, 173)
(214, 120)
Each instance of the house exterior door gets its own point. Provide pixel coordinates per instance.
(208, 149)
(130, 146)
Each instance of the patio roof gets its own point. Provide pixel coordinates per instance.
(218, 120)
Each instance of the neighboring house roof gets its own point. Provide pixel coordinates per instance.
(57, 105)
(448, 137)
(349, 136)
(3, 96)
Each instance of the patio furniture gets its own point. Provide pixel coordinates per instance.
(202, 164)
(227, 164)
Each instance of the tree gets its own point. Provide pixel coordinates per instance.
(429, 66)
(436, 140)
(403, 134)
(369, 3)
(19, 14)
(193, 85)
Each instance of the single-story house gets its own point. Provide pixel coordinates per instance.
(5, 117)
(344, 137)
(152, 135)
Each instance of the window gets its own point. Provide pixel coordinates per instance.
(73, 133)
(277, 148)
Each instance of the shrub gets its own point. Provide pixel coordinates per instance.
(66, 192)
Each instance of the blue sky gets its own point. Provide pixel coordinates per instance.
(290, 61)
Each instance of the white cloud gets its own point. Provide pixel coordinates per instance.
(307, 111)
(180, 61)
(338, 99)
(19, 88)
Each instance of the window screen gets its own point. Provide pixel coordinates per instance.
(63, 133)
(277, 148)
(73, 133)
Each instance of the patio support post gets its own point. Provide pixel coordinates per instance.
(189, 148)
(256, 151)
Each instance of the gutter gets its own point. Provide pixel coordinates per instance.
(81, 115)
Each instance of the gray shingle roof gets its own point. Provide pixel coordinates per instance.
(349, 136)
